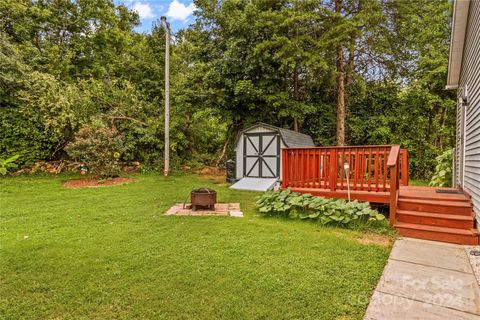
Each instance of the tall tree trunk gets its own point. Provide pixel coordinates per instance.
(340, 99)
(351, 58)
(340, 88)
(295, 95)
(295, 125)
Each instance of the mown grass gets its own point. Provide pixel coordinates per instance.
(105, 253)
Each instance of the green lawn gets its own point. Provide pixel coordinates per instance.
(105, 253)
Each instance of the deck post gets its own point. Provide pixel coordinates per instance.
(394, 181)
(404, 171)
(285, 168)
(333, 169)
(393, 194)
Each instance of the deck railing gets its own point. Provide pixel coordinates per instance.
(358, 168)
(324, 167)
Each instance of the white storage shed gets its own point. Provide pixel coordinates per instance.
(259, 150)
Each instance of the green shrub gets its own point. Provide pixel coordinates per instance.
(443, 170)
(99, 148)
(324, 210)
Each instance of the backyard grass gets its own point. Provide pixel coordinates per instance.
(105, 253)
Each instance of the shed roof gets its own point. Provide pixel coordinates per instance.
(290, 138)
(457, 42)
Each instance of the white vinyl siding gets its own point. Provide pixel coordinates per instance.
(469, 178)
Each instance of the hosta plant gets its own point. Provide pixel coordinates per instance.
(325, 210)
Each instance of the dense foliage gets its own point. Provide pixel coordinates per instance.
(343, 71)
(99, 148)
(6, 164)
(325, 210)
(443, 170)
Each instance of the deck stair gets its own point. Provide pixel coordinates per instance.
(425, 214)
(379, 174)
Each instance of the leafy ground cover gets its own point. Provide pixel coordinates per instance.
(110, 253)
(325, 210)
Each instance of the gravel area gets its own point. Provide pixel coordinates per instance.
(474, 260)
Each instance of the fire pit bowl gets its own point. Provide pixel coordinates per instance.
(204, 198)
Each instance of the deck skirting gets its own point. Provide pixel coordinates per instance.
(368, 196)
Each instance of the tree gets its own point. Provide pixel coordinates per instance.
(343, 71)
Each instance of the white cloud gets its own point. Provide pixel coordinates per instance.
(144, 10)
(179, 11)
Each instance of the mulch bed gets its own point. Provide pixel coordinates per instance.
(94, 183)
(59, 166)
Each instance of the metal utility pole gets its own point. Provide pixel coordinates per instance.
(166, 168)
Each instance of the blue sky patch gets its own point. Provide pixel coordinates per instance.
(178, 12)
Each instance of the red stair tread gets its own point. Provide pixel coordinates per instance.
(416, 192)
(458, 204)
(424, 214)
(436, 215)
(446, 220)
(450, 235)
(467, 232)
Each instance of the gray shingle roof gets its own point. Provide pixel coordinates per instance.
(294, 139)
(290, 138)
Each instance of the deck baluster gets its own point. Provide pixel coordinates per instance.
(321, 169)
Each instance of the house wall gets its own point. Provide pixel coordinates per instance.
(467, 153)
(239, 150)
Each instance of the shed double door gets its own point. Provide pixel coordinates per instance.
(261, 155)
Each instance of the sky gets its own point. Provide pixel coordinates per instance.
(178, 12)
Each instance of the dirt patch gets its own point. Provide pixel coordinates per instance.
(58, 166)
(378, 239)
(211, 172)
(216, 175)
(94, 183)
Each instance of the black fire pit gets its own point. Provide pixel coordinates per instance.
(203, 198)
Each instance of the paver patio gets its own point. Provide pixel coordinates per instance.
(220, 209)
(426, 280)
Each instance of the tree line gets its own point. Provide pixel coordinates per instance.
(346, 72)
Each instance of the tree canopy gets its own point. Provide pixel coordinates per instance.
(344, 71)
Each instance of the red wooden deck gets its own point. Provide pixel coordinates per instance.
(379, 174)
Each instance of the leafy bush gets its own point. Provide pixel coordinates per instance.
(306, 206)
(8, 163)
(443, 170)
(99, 148)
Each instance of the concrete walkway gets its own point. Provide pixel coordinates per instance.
(426, 280)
